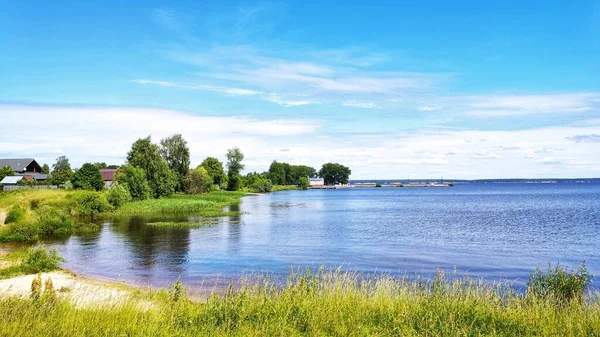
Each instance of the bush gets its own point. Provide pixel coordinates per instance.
(304, 183)
(34, 204)
(118, 195)
(16, 214)
(21, 232)
(558, 284)
(258, 184)
(377, 185)
(89, 204)
(134, 179)
(198, 181)
(41, 259)
(88, 177)
(53, 221)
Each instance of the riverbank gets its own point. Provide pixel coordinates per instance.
(328, 303)
(32, 214)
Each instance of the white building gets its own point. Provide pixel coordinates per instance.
(316, 181)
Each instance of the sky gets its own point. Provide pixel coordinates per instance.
(392, 89)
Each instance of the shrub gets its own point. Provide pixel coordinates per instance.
(34, 204)
(304, 183)
(198, 181)
(377, 185)
(134, 179)
(88, 177)
(41, 259)
(558, 284)
(89, 204)
(21, 232)
(52, 220)
(118, 195)
(16, 214)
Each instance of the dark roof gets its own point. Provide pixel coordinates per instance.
(108, 174)
(18, 164)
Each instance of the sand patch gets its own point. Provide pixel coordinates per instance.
(81, 292)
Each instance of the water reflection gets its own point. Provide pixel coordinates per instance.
(487, 231)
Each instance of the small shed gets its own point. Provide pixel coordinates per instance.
(10, 181)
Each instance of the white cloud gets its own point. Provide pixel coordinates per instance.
(105, 134)
(519, 105)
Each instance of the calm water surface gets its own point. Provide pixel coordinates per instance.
(486, 230)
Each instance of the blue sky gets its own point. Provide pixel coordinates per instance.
(463, 89)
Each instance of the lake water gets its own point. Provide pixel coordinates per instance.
(493, 231)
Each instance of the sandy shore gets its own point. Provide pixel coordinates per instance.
(82, 292)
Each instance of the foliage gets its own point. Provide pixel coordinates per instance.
(134, 180)
(16, 214)
(234, 167)
(257, 183)
(304, 183)
(41, 259)
(325, 304)
(45, 169)
(286, 174)
(175, 151)
(118, 195)
(377, 185)
(6, 171)
(147, 156)
(89, 204)
(209, 205)
(215, 170)
(52, 220)
(334, 173)
(61, 171)
(558, 284)
(88, 177)
(198, 181)
(34, 204)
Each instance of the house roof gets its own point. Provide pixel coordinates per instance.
(315, 179)
(17, 164)
(11, 179)
(36, 176)
(108, 174)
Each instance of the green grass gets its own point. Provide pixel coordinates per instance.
(184, 224)
(29, 260)
(38, 213)
(277, 188)
(326, 304)
(206, 205)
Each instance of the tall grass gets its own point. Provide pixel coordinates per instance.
(207, 205)
(329, 303)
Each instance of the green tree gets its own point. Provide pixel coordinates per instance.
(276, 173)
(45, 169)
(6, 171)
(215, 169)
(199, 181)
(88, 177)
(304, 183)
(234, 166)
(134, 180)
(334, 173)
(61, 171)
(175, 151)
(257, 183)
(100, 165)
(147, 156)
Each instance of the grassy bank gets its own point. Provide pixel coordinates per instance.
(277, 188)
(31, 214)
(329, 303)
